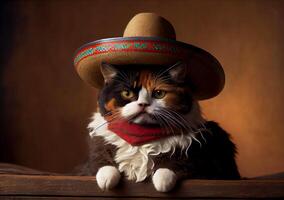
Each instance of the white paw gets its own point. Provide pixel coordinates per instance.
(164, 180)
(107, 177)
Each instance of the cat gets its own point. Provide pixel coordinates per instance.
(149, 97)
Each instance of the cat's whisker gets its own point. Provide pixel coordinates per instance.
(123, 78)
(169, 125)
(161, 115)
(161, 123)
(169, 114)
(122, 81)
(107, 113)
(171, 122)
(132, 77)
(96, 128)
(192, 129)
(182, 118)
(174, 114)
(204, 128)
(186, 151)
(168, 69)
(202, 136)
(198, 131)
(114, 116)
(193, 137)
(162, 79)
(165, 78)
(124, 75)
(166, 123)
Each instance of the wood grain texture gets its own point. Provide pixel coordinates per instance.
(96, 198)
(7, 168)
(78, 186)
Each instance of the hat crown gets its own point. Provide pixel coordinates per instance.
(149, 25)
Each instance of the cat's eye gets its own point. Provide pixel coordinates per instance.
(127, 94)
(159, 94)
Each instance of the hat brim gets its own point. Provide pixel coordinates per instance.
(205, 72)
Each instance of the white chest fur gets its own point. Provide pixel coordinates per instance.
(135, 161)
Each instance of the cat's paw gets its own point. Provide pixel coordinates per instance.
(107, 177)
(164, 180)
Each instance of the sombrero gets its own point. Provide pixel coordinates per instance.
(150, 39)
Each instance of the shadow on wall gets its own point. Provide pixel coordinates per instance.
(7, 24)
(42, 126)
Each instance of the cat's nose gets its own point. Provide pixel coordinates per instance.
(143, 104)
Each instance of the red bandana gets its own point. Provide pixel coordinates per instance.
(136, 134)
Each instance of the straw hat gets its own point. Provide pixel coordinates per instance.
(150, 39)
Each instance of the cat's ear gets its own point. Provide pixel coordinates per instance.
(108, 71)
(178, 72)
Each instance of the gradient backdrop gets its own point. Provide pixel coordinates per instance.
(45, 107)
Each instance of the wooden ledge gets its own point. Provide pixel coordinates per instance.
(79, 187)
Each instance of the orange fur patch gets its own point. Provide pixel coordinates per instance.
(111, 109)
(111, 105)
(146, 80)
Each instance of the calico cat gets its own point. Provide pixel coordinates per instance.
(149, 126)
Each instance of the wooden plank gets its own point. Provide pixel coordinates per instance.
(96, 198)
(76, 186)
(89, 198)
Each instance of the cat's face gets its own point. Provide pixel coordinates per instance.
(145, 95)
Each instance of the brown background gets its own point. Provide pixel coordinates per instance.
(45, 107)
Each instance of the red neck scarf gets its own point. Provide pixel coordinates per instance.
(136, 134)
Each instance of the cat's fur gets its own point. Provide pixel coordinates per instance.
(196, 148)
